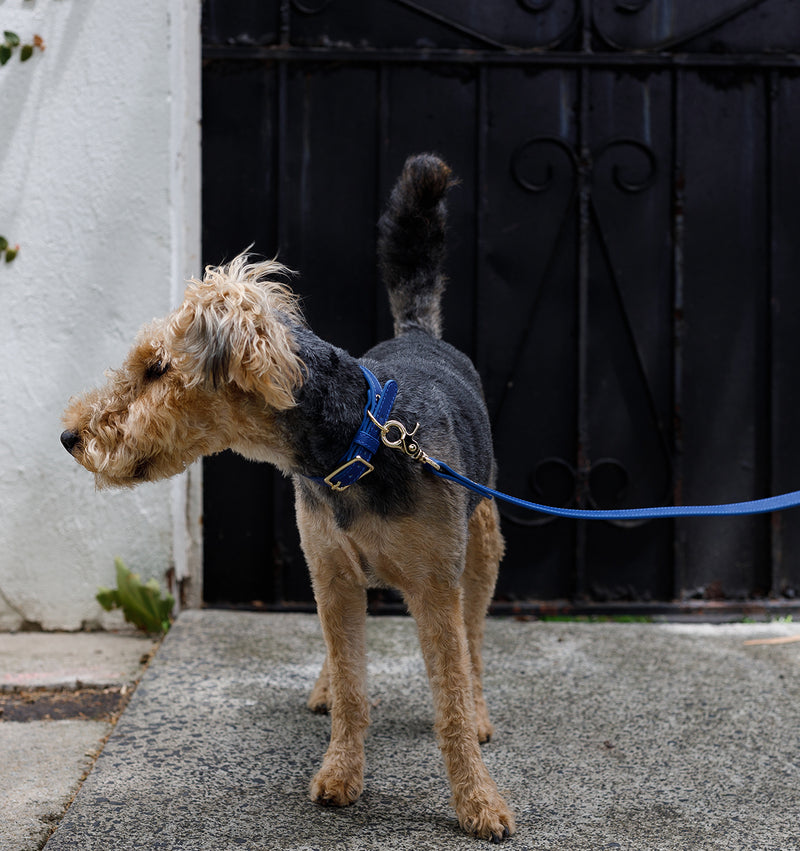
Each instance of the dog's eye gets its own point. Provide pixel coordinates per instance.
(157, 369)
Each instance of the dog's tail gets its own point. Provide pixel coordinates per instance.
(411, 244)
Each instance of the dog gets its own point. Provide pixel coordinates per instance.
(236, 367)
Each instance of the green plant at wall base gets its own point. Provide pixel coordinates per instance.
(141, 602)
(8, 252)
(11, 41)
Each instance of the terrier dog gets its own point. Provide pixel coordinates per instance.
(235, 366)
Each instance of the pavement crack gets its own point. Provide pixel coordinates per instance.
(85, 704)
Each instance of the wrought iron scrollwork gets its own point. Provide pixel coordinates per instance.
(665, 41)
(311, 7)
(554, 481)
(634, 164)
(565, 16)
(535, 162)
(558, 20)
(535, 5)
(631, 7)
(630, 166)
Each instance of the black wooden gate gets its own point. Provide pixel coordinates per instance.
(624, 262)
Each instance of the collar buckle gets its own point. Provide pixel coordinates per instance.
(355, 463)
(333, 481)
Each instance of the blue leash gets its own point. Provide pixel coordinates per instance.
(756, 506)
(376, 428)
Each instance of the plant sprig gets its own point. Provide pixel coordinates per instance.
(8, 251)
(11, 41)
(141, 602)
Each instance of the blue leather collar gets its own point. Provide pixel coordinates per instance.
(375, 426)
(355, 463)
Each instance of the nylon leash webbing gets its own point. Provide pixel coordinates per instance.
(756, 506)
(355, 464)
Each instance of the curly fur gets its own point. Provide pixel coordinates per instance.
(235, 366)
(233, 326)
(411, 244)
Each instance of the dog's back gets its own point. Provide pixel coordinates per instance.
(440, 387)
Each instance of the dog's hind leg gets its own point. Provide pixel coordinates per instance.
(319, 700)
(484, 550)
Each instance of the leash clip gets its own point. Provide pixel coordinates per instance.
(403, 440)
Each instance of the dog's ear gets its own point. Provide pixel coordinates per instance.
(234, 327)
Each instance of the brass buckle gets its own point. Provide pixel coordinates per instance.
(335, 486)
(403, 440)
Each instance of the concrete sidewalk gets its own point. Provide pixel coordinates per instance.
(42, 762)
(624, 736)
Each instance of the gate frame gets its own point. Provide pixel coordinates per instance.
(583, 61)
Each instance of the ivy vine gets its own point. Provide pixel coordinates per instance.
(11, 43)
(7, 251)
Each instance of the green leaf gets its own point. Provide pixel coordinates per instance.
(108, 598)
(141, 603)
(26, 52)
(11, 254)
(5, 53)
(12, 39)
(3, 243)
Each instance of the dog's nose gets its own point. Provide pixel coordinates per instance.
(69, 440)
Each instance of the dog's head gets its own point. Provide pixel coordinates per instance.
(209, 376)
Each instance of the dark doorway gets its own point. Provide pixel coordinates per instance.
(624, 263)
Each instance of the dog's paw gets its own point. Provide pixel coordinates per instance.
(334, 786)
(486, 816)
(485, 728)
(319, 700)
(320, 704)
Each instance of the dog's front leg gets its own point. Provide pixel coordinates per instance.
(342, 610)
(480, 808)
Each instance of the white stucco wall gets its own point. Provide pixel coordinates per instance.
(99, 184)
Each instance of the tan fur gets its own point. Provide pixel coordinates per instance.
(142, 428)
(485, 549)
(216, 374)
(447, 575)
(238, 302)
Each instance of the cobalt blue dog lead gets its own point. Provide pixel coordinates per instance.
(376, 428)
(756, 506)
